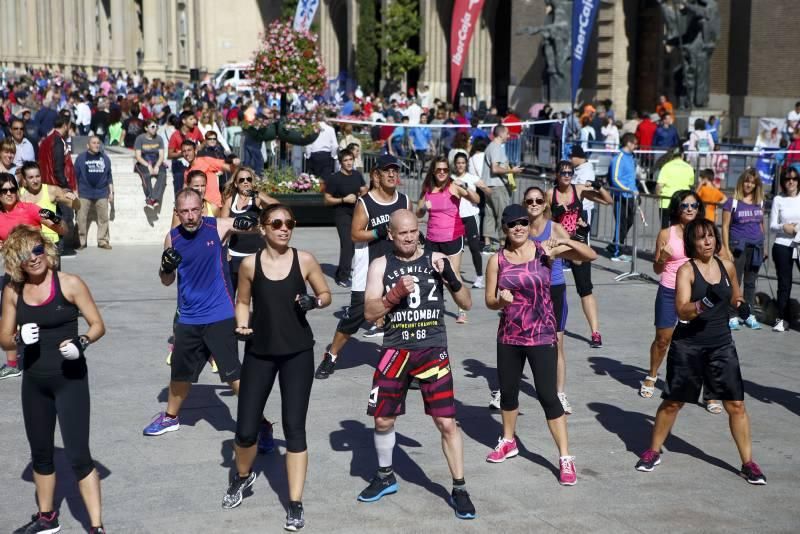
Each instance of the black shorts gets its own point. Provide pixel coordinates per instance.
(448, 248)
(355, 315)
(195, 343)
(691, 367)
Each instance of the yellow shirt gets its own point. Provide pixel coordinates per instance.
(675, 175)
(45, 203)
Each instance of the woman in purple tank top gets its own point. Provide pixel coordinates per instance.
(518, 284)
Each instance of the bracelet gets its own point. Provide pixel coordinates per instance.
(84, 341)
(698, 306)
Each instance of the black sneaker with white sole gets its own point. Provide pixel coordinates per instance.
(233, 497)
(41, 524)
(295, 518)
(326, 367)
(462, 504)
(374, 331)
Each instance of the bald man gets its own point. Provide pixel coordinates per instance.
(406, 288)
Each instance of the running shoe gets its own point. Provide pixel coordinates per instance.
(505, 449)
(567, 474)
(565, 403)
(9, 372)
(266, 441)
(752, 323)
(488, 250)
(148, 204)
(648, 461)
(233, 497)
(597, 340)
(343, 283)
(97, 530)
(41, 523)
(326, 367)
(478, 283)
(169, 354)
(733, 324)
(780, 326)
(752, 474)
(461, 318)
(295, 518)
(214, 368)
(161, 425)
(494, 400)
(622, 258)
(374, 331)
(378, 487)
(462, 504)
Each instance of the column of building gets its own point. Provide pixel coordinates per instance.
(479, 60)
(434, 44)
(152, 62)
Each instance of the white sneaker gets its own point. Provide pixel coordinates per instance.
(565, 403)
(780, 326)
(478, 283)
(494, 401)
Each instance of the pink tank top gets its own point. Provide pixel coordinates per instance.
(678, 258)
(444, 221)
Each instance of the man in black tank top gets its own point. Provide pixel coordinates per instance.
(371, 226)
(406, 287)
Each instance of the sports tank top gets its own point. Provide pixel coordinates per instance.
(678, 258)
(710, 328)
(58, 320)
(567, 215)
(444, 220)
(244, 244)
(204, 286)
(557, 271)
(529, 320)
(418, 321)
(378, 214)
(279, 327)
(45, 203)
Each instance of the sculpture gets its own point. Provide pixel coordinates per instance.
(555, 47)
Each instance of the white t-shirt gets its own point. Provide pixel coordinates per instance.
(791, 120)
(476, 164)
(413, 112)
(584, 173)
(467, 208)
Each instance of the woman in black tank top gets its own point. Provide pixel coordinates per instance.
(279, 344)
(40, 312)
(702, 353)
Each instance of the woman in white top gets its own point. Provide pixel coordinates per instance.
(470, 212)
(610, 133)
(588, 134)
(784, 220)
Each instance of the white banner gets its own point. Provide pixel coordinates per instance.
(305, 14)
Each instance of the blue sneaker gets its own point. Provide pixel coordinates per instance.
(378, 487)
(733, 324)
(266, 443)
(462, 504)
(753, 323)
(161, 425)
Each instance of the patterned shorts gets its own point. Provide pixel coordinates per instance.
(396, 368)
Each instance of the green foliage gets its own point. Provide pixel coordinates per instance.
(401, 21)
(289, 9)
(367, 46)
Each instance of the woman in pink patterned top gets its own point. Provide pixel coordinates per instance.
(518, 284)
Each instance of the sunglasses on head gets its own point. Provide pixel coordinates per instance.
(519, 222)
(531, 201)
(7, 190)
(243, 179)
(685, 206)
(276, 224)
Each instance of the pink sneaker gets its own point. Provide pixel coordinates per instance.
(504, 450)
(568, 476)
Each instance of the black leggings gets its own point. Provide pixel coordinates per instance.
(582, 273)
(784, 265)
(295, 374)
(344, 220)
(473, 237)
(43, 400)
(542, 359)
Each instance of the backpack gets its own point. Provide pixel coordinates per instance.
(702, 143)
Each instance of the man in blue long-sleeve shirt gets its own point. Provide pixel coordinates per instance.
(666, 135)
(622, 175)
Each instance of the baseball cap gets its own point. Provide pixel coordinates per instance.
(387, 160)
(513, 212)
(577, 152)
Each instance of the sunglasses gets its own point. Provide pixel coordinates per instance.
(37, 250)
(531, 201)
(442, 171)
(566, 173)
(211, 138)
(243, 179)
(18, 128)
(792, 177)
(276, 224)
(693, 205)
(519, 222)
(9, 190)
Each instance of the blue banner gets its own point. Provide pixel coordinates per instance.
(584, 13)
(305, 14)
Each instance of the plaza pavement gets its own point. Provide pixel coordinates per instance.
(174, 483)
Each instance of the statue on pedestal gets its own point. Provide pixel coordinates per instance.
(555, 47)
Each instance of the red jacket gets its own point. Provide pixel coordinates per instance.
(55, 162)
(645, 132)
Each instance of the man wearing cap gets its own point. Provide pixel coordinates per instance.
(370, 233)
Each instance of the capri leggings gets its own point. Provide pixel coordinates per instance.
(542, 359)
(473, 237)
(295, 374)
(582, 273)
(43, 400)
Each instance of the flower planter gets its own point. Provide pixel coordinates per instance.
(309, 208)
(296, 137)
(267, 133)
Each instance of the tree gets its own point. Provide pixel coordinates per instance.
(289, 9)
(400, 23)
(367, 46)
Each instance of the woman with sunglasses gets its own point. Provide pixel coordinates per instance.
(702, 353)
(566, 207)
(13, 212)
(684, 207)
(743, 238)
(441, 199)
(241, 198)
(784, 221)
(40, 311)
(518, 284)
(279, 345)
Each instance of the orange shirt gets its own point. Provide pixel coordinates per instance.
(666, 107)
(711, 196)
(210, 166)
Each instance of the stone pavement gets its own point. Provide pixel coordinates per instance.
(175, 483)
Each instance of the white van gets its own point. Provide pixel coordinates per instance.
(234, 74)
